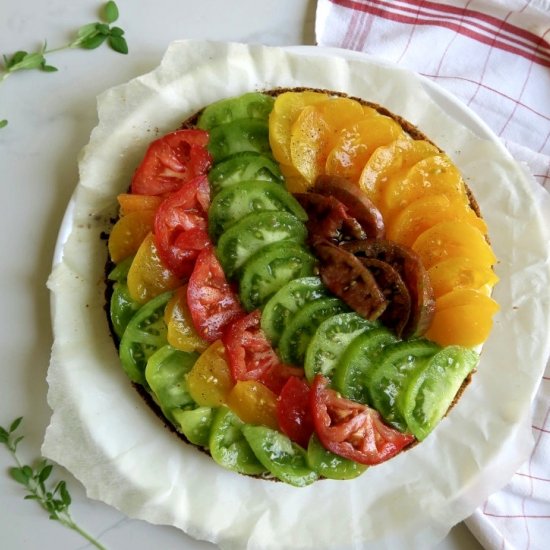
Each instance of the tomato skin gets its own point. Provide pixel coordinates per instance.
(181, 226)
(352, 430)
(211, 299)
(278, 375)
(172, 160)
(209, 381)
(294, 412)
(253, 403)
(250, 353)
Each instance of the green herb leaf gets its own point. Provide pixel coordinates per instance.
(116, 31)
(110, 12)
(102, 28)
(118, 43)
(93, 41)
(4, 435)
(87, 30)
(45, 473)
(15, 424)
(19, 475)
(20, 438)
(28, 61)
(48, 68)
(64, 494)
(16, 58)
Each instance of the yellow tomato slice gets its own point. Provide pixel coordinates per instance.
(395, 160)
(181, 332)
(460, 272)
(356, 143)
(286, 109)
(431, 176)
(466, 297)
(462, 317)
(294, 181)
(254, 403)
(209, 381)
(426, 212)
(338, 113)
(450, 240)
(147, 276)
(309, 137)
(316, 131)
(130, 202)
(128, 234)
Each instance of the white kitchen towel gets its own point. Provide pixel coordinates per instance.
(495, 57)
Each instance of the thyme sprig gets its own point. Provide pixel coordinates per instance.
(55, 499)
(89, 37)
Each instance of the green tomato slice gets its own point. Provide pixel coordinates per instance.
(301, 328)
(264, 273)
(431, 390)
(283, 458)
(331, 340)
(234, 203)
(330, 465)
(120, 271)
(121, 308)
(145, 334)
(287, 301)
(195, 424)
(166, 373)
(253, 232)
(351, 376)
(238, 136)
(250, 105)
(242, 167)
(228, 446)
(394, 373)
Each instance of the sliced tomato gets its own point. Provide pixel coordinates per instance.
(181, 226)
(294, 412)
(172, 160)
(249, 351)
(278, 374)
(211, 299)
(352, 430)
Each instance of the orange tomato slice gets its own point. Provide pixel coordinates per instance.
(209, 381)
(254, 403)
(390, 160)
(128, 234)
(286, 109)
(460, 272)
(463, 317)
(130, 202)
(431, 176)
(357, 142)
(147, 276)
(450, 239)
(294, 181)
(426, 212)
(181, 331)
(309, 137)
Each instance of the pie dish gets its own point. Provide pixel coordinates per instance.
(272, 509)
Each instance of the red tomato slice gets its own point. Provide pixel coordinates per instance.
(212, 302)
(352, 430)
(181, 226)
(294, 412)
(171, 161)
(249, 352)
(278, 374)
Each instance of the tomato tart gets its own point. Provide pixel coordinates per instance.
(300, 283)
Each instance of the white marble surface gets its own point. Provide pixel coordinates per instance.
(50, 118)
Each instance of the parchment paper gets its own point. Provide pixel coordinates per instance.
(105, 435)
